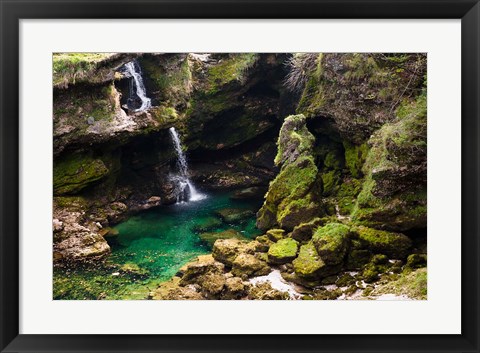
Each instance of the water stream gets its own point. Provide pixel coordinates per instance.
(186, 190)
(137, 87)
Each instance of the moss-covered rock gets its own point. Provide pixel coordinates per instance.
(275, 234)
(331, 242)
(76, 172)
(416, 261)
(357, 258)
(395, 245)
(308, 264)
(283, 251)
(293, 195)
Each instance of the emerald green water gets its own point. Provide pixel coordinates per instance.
(151, 247)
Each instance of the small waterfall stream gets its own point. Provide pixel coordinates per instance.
(186, 189)
(137, 87)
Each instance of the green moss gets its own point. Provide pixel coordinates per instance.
(294, 212)
(74, 173)
(287, 192)
(283, 251)
(355, 156)
(308, 263)
(164, 115)
(275, 234)
(395, 245)
(71, 67)
(412, 285)
(393, 195)
(334, 160)
(172, 79)
(232, 68)
(331, 242)
(331, 181)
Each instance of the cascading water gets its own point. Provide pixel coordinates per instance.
(133, 69)
(186, 189)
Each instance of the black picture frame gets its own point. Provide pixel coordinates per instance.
(12, 11)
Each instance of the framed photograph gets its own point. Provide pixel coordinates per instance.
(237, 176)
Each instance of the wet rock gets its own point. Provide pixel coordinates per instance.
(254, 192)
(207, 224)
(211, 237)
(233, 215)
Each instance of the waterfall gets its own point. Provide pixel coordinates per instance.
(186, 189)
(134, 70)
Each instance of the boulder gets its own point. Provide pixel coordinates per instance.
(226, 250)
(234, 288)
(275, 234)
(331, 242)
(394, 245)
(308, 264)
(246, 265)
(283, 251)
